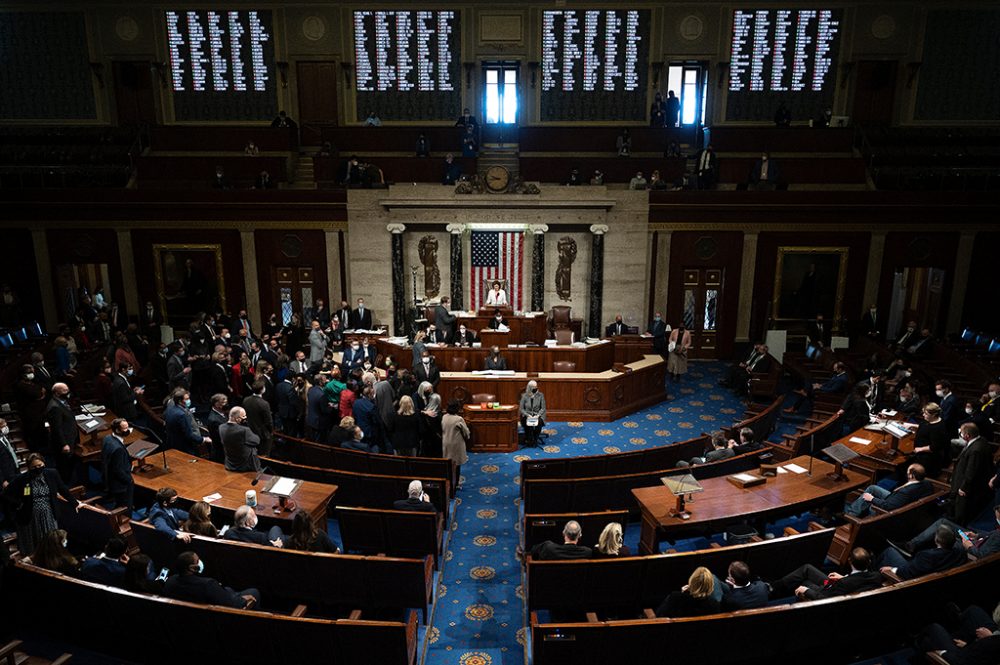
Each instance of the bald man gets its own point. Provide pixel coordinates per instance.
(239, 442)
(63, 432)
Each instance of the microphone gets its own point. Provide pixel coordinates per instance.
(259, 474)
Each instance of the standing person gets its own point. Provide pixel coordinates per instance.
(532, 412)
(623, 144)
(707, 167)
(259, 417)
(658, 331)
(931, 444)
(455, 435)
(673, 109)
(680, 343)
(117, 465)
(239, 442)
(64, 435)
(428, 403)
(444, 319)
(32, 498)
(404, 429)
(318, 341)
(319, 411)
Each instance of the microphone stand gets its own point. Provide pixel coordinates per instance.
(159, 441)
(812, 452)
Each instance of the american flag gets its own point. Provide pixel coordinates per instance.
(497, 255)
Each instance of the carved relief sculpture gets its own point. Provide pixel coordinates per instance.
(567, 254)
(428, 249)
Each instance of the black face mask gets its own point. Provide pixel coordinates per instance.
(36, 471)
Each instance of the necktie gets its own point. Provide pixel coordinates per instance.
(10, 448)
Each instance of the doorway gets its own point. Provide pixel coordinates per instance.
(874, 93)
(501, 100)
(135, 100)
(317, 85)
(702, 301)
(689, 82)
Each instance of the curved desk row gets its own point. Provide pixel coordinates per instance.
(599, 396)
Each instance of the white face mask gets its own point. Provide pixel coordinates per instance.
(993, 394)
(939, 393)
(4, 430)
(355, 346)
(426, 361)
(29, 377)
(969, 411)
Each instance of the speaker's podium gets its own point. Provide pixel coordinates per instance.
(493, 428)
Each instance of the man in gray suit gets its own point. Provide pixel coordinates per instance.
(444, 320)
(239, 442)
(318, 342)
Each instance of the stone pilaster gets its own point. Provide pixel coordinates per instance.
(747, 271)
(46, 287)
(596, 278)
(966, 241)
(127, 257)
(250, 284)
(538, 267)
(457, 289)
(398, 279)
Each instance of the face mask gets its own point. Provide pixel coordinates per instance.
(125, 433)
(657, 319)
(65, 397)
(355, 347)
(939, 393)
(426, 361)
(37, 471)
(993, 394)
(969, 411)
(226, 336)
(130, 372)
(187, 403)
(201, 566)
(5, 430)
(29, 377)
(65, 543)
(534, 390)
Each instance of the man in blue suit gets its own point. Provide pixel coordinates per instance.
(739, 592)
(181, 431)
(945, 554)
(354, 357)
(166, 517)
(319, 411)
(950, 408)
(835, 384)
(117, 465)
(109, 566)
(366, 417)
(976, 545)
(914, 489)
(658, 330)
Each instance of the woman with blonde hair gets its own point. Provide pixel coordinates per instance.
(610, 543)
(695, 599)
(343, 432)
(404, 430)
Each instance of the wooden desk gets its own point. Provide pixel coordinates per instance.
(722, 503)
(629, 348)
(878, 455)
(195, 478)
(89, 450)
(593, 358)
(493, 430)
(523, 329)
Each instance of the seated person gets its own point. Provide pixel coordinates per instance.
(746, 444)
(464, 336)
(200, 520)
(140, 576)
(610, 544)
(945, 554)
(575, 179)
(569, 549)
(496, 297)
(739, 592)
(436, 336)
(810, 583)
(51, 554)
(976, 545)
(696, 598)
(190, 585)
(975, 640)
(108, 567)
(764, 174)
(495, 361)
(720, 450)
(738, 375)
(305, 537)
(835, 384)
(357, 442)
(616, 328)
(498, 322)
(415, 499)
(452, 170)
(244, 530)
(637, 181)
(915, 488)
(166, 517)
(907, 402)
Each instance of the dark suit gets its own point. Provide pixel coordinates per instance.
(21, 503)
(289, 407)
(872, 325)
(498, 363)
(344, 315)
(62, 426)
(260, 421)
(905, 494)
(103, 571)
(816, 581)
(835, 384)
(361, 319)
(495, 323)
(8, 460)
(366, 417)
(706, 168)
(180, 430)
(819, 333)
(468, 339)
(429, 373)
(213, 422)
(924, 562)
(616, 328)
(549, 551)
(240, 445)
(123, 398)
(413, 504)
(758, 174)
(167, 520)
(242, 534)
(218, 380)
(198, 589)
(749, 597)
(950, 411)
(117, 470)
(658, 329)
(318, 414)
(352, 359)
(971, 474)
(445, 322)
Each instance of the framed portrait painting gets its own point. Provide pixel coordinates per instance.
(189, 280)
(810, 280)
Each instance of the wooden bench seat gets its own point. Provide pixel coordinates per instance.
(158, 630)
(404, 533)
(591, 466)
(541, 527)
(319, 580)
(762, 423)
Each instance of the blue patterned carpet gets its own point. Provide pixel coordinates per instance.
(479, 615)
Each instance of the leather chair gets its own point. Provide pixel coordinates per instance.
(429, 315)
(458, 365)
(479, 398)
(560, 317)
(564, 336)
(563, 366)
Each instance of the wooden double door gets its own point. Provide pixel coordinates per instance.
(701, 310)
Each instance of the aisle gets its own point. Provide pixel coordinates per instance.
(479, 616)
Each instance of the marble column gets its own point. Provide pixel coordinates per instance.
(331, 241)
(747, 270)
(398, 280)
(128, 271)
(538, 268)
(596, 279)
(250, 283)
(45, 285)
(660, 288)
(873, 276)
(966, 241)
(457, 289)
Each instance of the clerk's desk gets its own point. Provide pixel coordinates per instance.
(195, 478)
(882, 454)
(597, 396)
(530, 327)
(89, 450)
(723, 503)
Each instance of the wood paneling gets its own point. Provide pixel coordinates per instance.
(317, 86)
(82, 246)
(983, 284)
(289, 249)
(710, 249)
(918, 250)
(21, 274)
